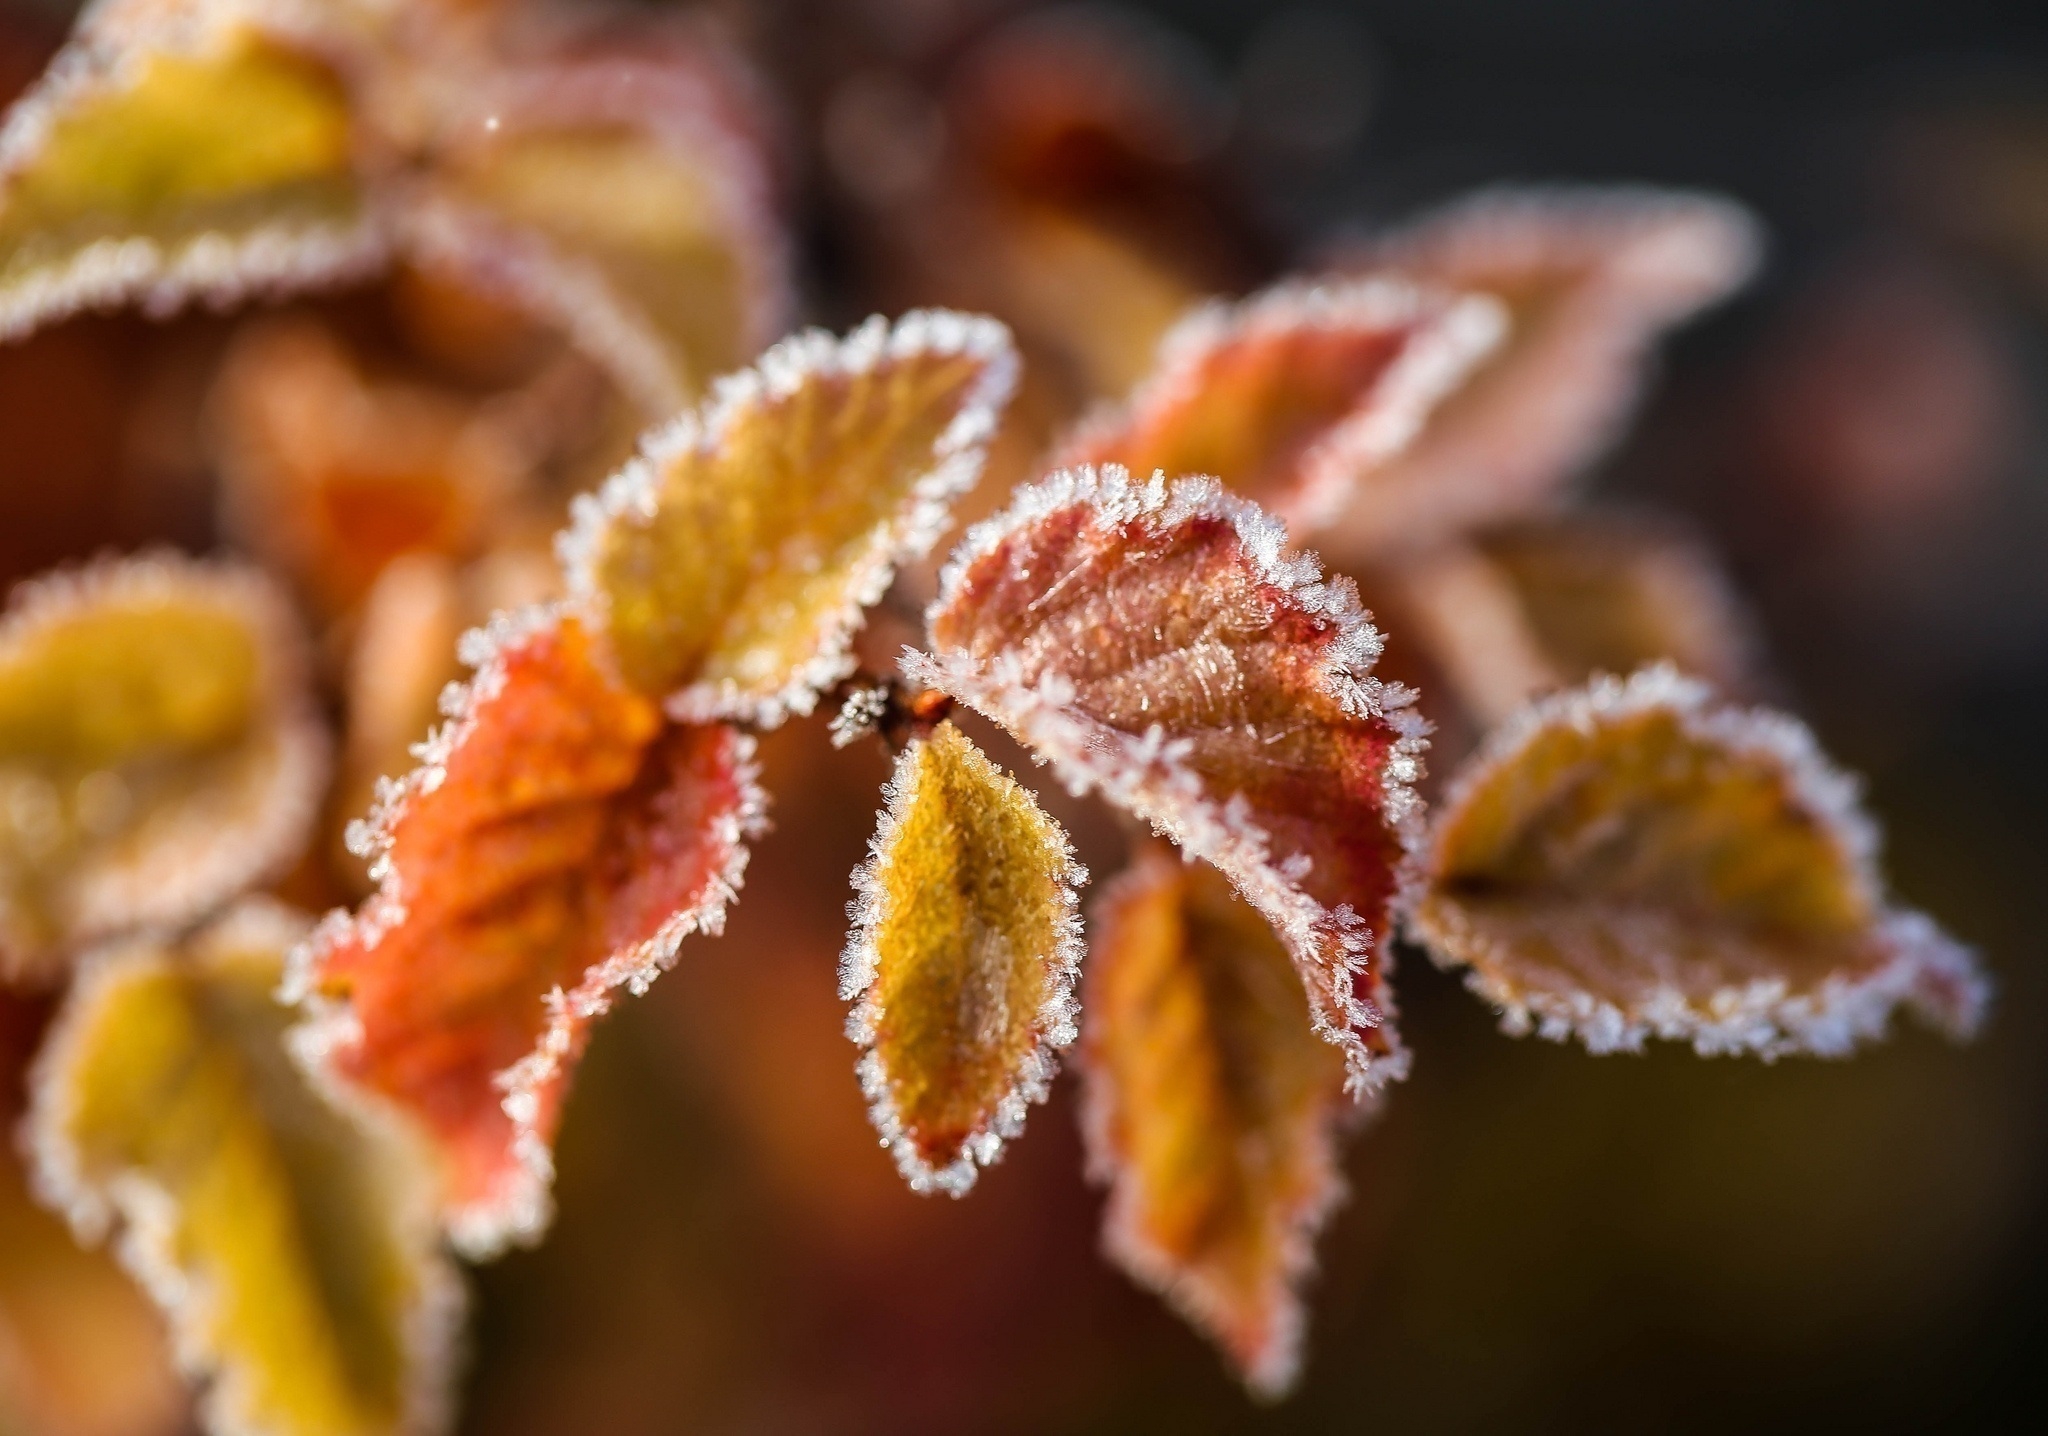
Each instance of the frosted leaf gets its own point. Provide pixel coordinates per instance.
(557, 842)
(1590, 279)
(617, 188)
(292, 1248)
(1632, 860)
(176, 152)
(1527, 608)
(159, 750)
(85, 1350)
(961, 966)
(1212, 1110)
(330, 477)
(1160, 643)
(1293, 396)
(732, 562)
(606, 175)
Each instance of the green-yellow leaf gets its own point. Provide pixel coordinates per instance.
(158, 750)
(292, 1248)
(175, 154)
(734, 559)
(962, 965)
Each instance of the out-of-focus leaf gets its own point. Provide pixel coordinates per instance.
(1527, 608)
(82, 1353)
(1161, 643)
(962, 965)
(1590, 279)
(1630, 860)
(733, 561)
(330, 477)
(1211, 1111)
(292, 1248)
(158, 750)
(1611, 593)
(1293, 396)
(608, 178)
(176, 151)
(617, 194)
(555, 844)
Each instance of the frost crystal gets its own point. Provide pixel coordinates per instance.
(1160, 644)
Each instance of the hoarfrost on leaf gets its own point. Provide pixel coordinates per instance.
(292, 1247)
(1590, 278)
(1294, 396)
(1159, 642)
(962, 963)
(1633, 859)
(733, 561)
(557, 842)
(1212, 1111)
(159, 750)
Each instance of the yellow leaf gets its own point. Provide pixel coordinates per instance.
(1590, 279)
(292, 1248)
(158, 750)
(1631, 860)
(963, 961)
(82, 1352)
(175, 152)
(733, 560)
(1212, 1109)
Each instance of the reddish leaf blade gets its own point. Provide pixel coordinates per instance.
(558, 842)
(1211, 1111)
(1631, 860)
(1590, 279)
(1161, 644)
(1293, 396)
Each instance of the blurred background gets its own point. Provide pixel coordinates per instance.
(1536, 1239)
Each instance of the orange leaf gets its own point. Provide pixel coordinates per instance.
(1293, 396)
(557, 843)
(1590, 279)
(1162, 644)
(1631, 860)
(1211, 1110)
(962, 962)
(331, 477)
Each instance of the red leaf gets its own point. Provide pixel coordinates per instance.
(1161, 644)
(556, 844)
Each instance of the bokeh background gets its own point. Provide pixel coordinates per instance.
(1536, 1239)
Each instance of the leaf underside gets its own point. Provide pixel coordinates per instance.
(1631, 860)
